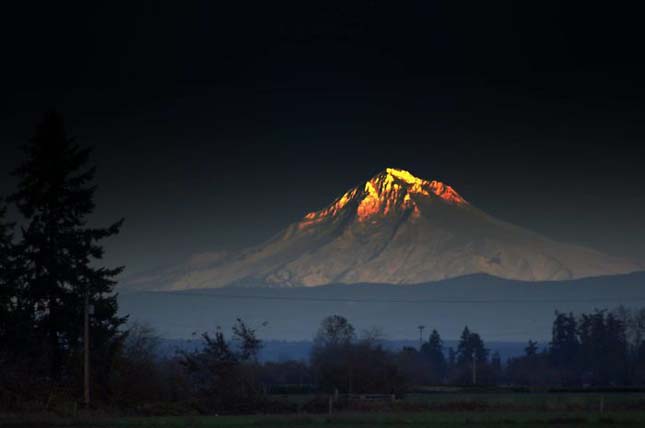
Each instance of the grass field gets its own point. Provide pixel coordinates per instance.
(416, 410)
(434, 419)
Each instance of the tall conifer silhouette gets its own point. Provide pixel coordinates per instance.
(62, 253)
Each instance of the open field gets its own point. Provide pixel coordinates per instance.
(534, 401)
(488, 401)
(416, 410)
(435, 419)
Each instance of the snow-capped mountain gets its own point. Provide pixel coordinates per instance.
(397, 229)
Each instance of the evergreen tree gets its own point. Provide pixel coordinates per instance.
(564, 348)
(55, 195)
(432, 351)
(452, 358)
(639, 362)
(464, 351)
(471, 344)
(617, 350)
(531, 349)
(603, 346)
(496, 367)
(8, 286)
(633, 323)
(16, 322)
(591, 338)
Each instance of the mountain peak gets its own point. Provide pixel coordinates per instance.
(402, 180)
(396, 189)
(423, 187)
(403, 175)
(392, 190)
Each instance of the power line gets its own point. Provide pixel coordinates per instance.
(412, 301)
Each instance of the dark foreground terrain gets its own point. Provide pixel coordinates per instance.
(438, 419)
(430, 409)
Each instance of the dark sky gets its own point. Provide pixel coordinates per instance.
(215, 124)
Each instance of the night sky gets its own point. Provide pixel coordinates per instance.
(215, 125)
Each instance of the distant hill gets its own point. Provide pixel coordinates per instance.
(499, 309)
(397, 229)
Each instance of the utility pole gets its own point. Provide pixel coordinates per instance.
(474, 368)
(86, 352)
(421, 327)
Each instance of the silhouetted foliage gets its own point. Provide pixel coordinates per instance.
(432, 352)
(470, 347)
(603, 349)
(471, 352)
(564, 348)
(633, 321)
(531, 349)
(19, 356)
(288, 375)
(342, 363)
(8, 287)
(222, 378)
(249, 344)
(226, 376)
(59, 255)
(137, 373)
(589, 350)
(496, 366)
(334, 331)
(331, 354)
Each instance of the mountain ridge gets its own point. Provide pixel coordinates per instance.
(500, 309)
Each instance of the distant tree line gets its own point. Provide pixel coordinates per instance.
(599, 349)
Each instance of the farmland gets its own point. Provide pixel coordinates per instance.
(415, 410)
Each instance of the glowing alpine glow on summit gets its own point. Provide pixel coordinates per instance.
(389, 191)
(404, 175)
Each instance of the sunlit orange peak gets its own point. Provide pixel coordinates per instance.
(318, 216)
(371, 203)
(424, 187)
(404, 175)
(385, 193)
